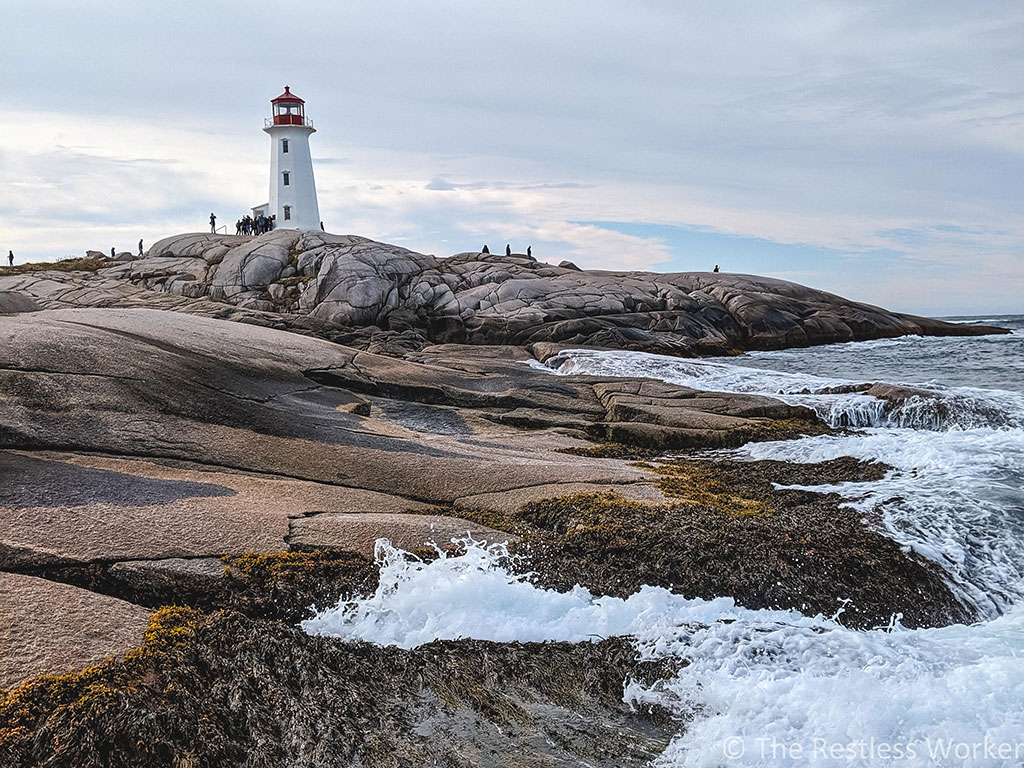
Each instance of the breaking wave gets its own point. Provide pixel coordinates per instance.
(776, 688)
(932, 407)
(757, 686)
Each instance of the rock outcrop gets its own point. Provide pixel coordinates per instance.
(135, 435)
(328, 283)
(152, 454)
(220, 690)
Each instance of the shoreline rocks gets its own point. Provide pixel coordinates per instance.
(338, 285)
(159, 456)
(219, 689)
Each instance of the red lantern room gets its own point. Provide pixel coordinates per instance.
(289, 109)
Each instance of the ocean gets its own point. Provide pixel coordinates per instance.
(776, 688)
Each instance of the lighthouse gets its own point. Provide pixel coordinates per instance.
(292, 189)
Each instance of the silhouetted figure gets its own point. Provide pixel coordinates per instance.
(10, 258)
(529, 251)
(111, 251)
(716, 268)
(486, 250)
(140, 247)
(508, 249)
(213, 224)
(322, 227)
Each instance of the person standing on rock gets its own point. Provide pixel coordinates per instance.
(529, 251)
(322, 227)
(111, 251)
(140, 247)
(486, 249)
(508, 249)
(213, 224)
(10, 258)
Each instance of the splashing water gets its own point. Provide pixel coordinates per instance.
(775, 688)
(770, 694)
(955, 497)
(940, 409)
(474, 595)
(754, 679)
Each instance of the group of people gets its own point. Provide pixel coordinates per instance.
(247, 225)
(508, 250)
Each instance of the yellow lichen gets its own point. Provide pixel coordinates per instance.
(23, 706)
(700, 484)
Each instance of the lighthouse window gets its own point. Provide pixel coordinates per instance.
(287, 213)
(284, 146)
(287, 178)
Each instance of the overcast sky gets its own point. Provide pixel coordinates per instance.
(871, 149)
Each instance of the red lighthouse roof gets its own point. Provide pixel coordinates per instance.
(287, 96)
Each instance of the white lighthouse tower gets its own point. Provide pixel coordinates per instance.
(292, 189)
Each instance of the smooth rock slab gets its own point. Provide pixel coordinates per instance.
(408, 532)
(509, 502)
(51, 628)
(62, 508)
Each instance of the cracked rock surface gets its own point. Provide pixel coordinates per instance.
(153, 454)
(147, 444)
(336, 284)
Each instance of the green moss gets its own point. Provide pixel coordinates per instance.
(783, 429)
(284, 585)
(64, 265)
(265, 568)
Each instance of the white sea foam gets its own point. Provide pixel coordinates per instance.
(956, 497)
(751, 675)
(774, 688)
(777, 695)
(941, 408)
(473, 595)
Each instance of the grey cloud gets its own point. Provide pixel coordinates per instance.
(899, 116)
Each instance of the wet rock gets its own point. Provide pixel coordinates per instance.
(224, 690)
(896, 393)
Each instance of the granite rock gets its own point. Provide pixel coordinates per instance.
(350, 282)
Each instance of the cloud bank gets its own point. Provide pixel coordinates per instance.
(874, 150)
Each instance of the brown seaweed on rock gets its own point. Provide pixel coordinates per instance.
(732, 533)
(223, 690)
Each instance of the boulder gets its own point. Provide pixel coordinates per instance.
(12, 302)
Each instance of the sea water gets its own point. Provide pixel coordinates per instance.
(775, 688)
